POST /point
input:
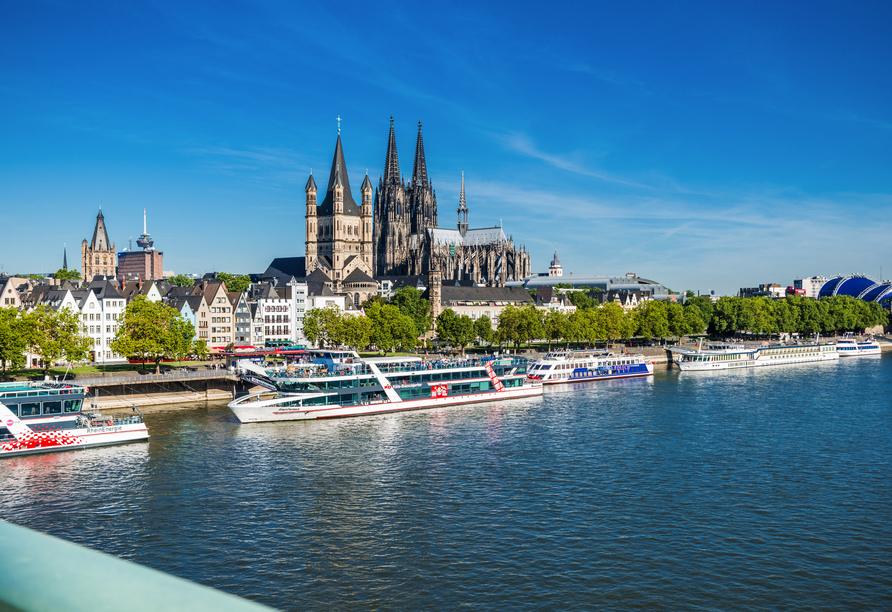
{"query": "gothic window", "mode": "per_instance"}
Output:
(356, 300)
(97, 260)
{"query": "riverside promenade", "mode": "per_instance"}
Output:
(172, 387)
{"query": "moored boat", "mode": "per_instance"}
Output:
(580, 366)
(849, 346)
(89, 430)
(340, 383)
(731, 356)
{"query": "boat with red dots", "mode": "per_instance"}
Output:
(45, 417)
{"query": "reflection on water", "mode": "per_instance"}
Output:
(745, 489)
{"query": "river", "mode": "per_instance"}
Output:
(762, 489)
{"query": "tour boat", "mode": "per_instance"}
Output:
(87, 430)
(849, 346)
(340, 384)
(729, 356)
(580, 366)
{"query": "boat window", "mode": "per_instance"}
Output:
(72, 405)
(13, 408)
(30, 409)
(52, 407)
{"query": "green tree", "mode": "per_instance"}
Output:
(724, 319)
(391, 329)
(652, 319)
(509, 322)
(53, 334)
(12, 338)
(373, 299)
(614, 322)
(530, 324)
(705, 306)
(678, 324)
(483, 327)
(357, 331)
(235, 282)
(556, 325)
(581, 300)
(153, 331)
(459, 331)
(763, 315)
(322, 326)
(181, 280)
(410, 302)
(694, 320)
(63, 274)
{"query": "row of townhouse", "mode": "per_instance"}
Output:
(99, 306)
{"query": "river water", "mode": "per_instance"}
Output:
(759, 489)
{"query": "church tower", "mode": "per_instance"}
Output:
(337, 242)
(422, 199)
(392, 220)
(98, 256)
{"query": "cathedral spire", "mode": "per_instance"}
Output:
(419, 172)
(462, 208)
(339, 178)
(64, 257)
(392, 162)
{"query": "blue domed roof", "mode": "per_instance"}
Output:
(829, 287)
(853, 286)
(878, 292)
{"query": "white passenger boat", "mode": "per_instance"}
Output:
(730, 356)
(849, 346)
(87, 430)
(348, 385)
(580, 366)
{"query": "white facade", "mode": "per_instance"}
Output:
(812, 285)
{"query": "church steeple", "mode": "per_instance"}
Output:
(462, 208)
(419, 171)
(100, 236)
(64, 257)
(392, 162)
(339, 181)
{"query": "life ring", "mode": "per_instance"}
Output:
(110, 422)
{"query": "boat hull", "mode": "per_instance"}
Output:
(686, 366)
(266, 411)
(36, 443)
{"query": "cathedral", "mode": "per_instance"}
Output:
(408, 241)
(394, 232)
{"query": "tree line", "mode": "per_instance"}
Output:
(396, 324)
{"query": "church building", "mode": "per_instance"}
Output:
(98, 256)
(408, 240)
(339, 234)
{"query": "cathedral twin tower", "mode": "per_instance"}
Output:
(350, 244)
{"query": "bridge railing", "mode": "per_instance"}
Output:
(31, 560)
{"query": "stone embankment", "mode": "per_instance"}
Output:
(174, 387)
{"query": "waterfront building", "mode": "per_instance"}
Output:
(472, 301)
(241, 317)
(628, 282)
(220, 312)
(771, 290)
(98, 256)
(811, 285)
(409, 241)
(11, 289)
(549, 298)
(861, 287)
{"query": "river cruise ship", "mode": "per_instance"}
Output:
(340, 384)
(580, 366)
(44, 417)
(729, 356)
(849, 346)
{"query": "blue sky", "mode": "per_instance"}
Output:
(701, 145)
